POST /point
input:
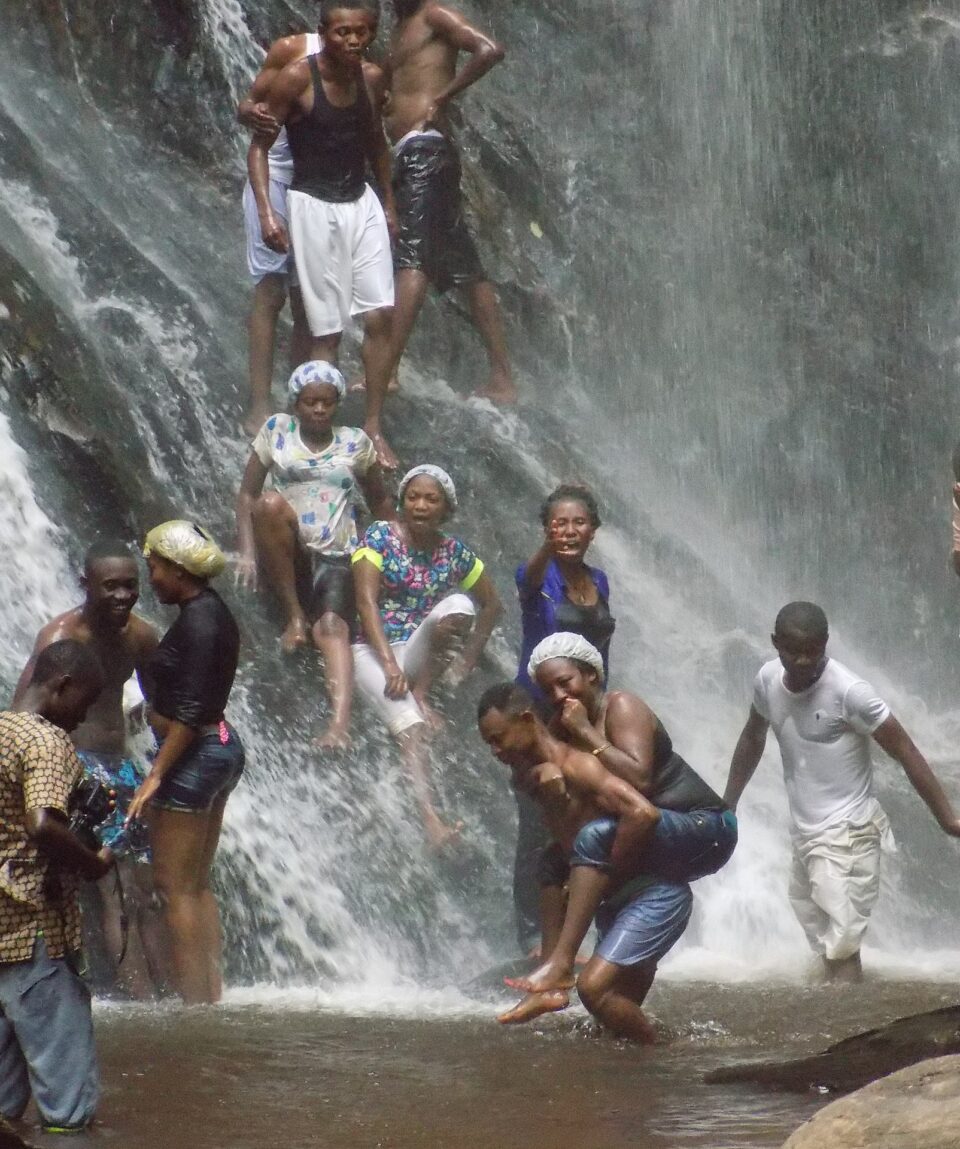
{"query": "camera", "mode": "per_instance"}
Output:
(91, 803)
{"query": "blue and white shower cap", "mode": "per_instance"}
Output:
(436, 473)
(316, 371)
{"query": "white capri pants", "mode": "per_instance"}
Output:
(834, 884)
(399, 714)
(342, 256)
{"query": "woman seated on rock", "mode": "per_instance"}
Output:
(303, 531)
(415, 585)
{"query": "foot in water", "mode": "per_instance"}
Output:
(549, 977)
(294, 636)
(534, 1005)
(499, 389)
(333, 738)
(440, 835)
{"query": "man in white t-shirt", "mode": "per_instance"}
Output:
(824, 716)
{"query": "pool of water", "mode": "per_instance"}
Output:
(302, 1070)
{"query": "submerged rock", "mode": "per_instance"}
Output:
(917, 1107)
(857, 1060)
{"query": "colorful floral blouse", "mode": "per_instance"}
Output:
(413, 582)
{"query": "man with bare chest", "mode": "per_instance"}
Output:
(123, 644)
(434, 244)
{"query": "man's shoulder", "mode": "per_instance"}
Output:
(71, 624)
(20, 729)
(286, 50)
(140, 634)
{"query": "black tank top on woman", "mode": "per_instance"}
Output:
(676, 785)
(329, 145)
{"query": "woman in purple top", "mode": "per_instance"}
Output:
(415, 587)
(558, 592)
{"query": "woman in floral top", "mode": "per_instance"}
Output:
(304, 530)
(410, 577)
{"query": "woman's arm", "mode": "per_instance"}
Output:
(177, 739)
(366, 585)
(627, 745)
(536, 569)
(251, 487)
(376, 494)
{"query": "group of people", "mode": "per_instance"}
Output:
(613, 824)
(321, 115)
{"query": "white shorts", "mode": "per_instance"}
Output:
(262, 260)
(834, 884)
(342, 253)
(399, 714)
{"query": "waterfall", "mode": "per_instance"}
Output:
(725, 240)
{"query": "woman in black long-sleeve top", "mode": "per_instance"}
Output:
(200, 757)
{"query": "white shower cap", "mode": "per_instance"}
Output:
(436, 473)
(565, 644)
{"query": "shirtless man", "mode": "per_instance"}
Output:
(640, 918)
(123, 644)
(270, 269)
(330, 105)
(434, 244)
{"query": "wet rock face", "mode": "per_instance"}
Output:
(857, 1060)
(916, 1108)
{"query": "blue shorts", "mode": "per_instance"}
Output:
(123, 776)
(683, 847)
(210, 769)
(647, 927)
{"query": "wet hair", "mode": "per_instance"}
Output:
(106, 549)
(574, 493)
(68, 658)
(329, 6)
(802, 618)
(507, 697)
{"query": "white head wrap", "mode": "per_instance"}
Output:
(437, 473)
(189, 546)
(316, 371)
(564, 644)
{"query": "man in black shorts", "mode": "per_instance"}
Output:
(434, 244)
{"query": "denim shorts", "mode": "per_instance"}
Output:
(210, 769)
(683, 847)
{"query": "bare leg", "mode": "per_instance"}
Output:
(846, 969)
(179, 842)
(553, 904)
(485, 312)
(326, 347)
(445, 637)
(269, 296)
(300, 337)
(147, 914)
(614, 995)
(332, 638)
(275, 532)
(211, 934)
(410, 286)
(414, 752)
(588, 885)
(132, 974)
(377, 354)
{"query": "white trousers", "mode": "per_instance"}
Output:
(399, 714)
(834, 884)
(342, 256)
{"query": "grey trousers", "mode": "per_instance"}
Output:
(46, 1041)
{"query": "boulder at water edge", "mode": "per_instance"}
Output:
(914, 1108)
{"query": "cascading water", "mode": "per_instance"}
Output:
(731, 300)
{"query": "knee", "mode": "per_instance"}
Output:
(377, 323)
(592, 991)
(271, 506)
(271, 293)
(332, 626)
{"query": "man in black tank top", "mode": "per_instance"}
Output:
(340, 234)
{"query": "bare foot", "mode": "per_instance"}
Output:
(254, 421)
(533, 1005)
(385, 456)
(499, 389)
(433, 718)
(359, 385)
(550, 976)
(294, 636)
(333, 738)
(440, 835)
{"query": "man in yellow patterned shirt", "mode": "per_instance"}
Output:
(46, 1029)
